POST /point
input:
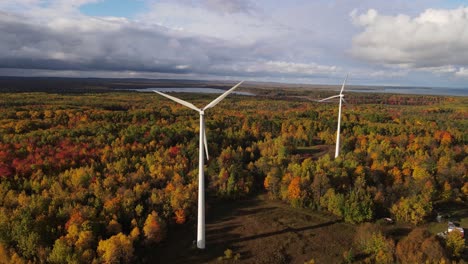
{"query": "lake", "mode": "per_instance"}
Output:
(387, 89)
(415, 90)
(191, 90)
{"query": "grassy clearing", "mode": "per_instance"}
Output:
(260, 230)
(456, 212)
(315, 151)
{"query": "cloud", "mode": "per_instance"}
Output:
(435, 39)
(296, 69)
(264, 40)
(364, 19)
(82, 43)
(231, 6)
(107, 44)
(52, 8)
(225, 7)
(235, 21)
(462, 72)
(387, 74)
(439, 70)
(265, 34)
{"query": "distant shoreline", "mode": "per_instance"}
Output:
(415, 91)
(100, 85)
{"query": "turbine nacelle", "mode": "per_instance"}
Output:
(208, 106)
(341, 95)
(201, 111)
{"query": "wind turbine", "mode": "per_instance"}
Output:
(201, 159)
(341, 96)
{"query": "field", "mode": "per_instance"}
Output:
(264, 231)
(112, 177)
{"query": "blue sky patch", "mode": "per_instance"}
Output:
(117, 8)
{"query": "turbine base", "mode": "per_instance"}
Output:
(201, 244)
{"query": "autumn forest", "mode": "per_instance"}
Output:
(102, 177)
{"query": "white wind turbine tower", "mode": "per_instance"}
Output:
(201, 159)
(341, 96)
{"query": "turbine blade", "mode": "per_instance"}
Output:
(342, 87)
(344, 101)
(221, 97)
(180, 101)
(328, 98)
(205, 142)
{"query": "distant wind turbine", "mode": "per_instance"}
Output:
(341, 96)
(201, 159)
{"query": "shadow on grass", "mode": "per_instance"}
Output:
(254, 211)
(224, 231)
(398, 232)
(180, 245)
(280, 232)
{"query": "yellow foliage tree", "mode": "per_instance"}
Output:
(465, 189)
(116, 249)
(154, 228)
(420, 173)
(294, 188)
(180, 217)
(455, 243)
(412, 209)
(135, 233)
(85, 240)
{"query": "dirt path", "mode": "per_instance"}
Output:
(261, 231)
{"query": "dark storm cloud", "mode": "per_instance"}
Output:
(110, 44)
(107, 45)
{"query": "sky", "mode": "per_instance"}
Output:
(376, 42)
